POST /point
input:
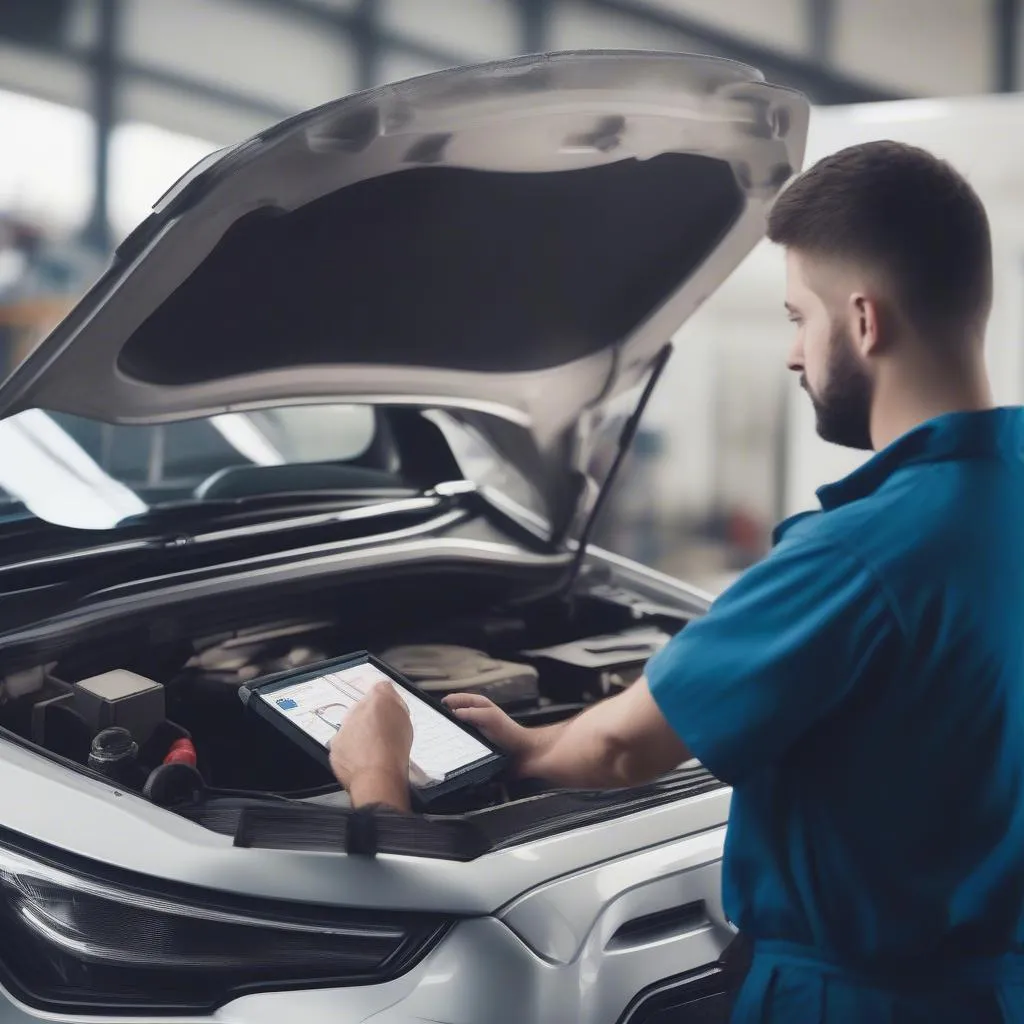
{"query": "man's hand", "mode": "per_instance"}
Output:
(620, 741)
(370, 752)
(520, 743)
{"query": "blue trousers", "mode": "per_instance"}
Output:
(790, 984)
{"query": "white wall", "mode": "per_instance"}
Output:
(979, 137)
(681, 408)
(44, 173)
(925, 47)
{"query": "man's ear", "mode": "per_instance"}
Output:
(865, 324)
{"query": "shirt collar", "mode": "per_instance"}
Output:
(993, 433)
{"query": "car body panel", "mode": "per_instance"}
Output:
(559, 918)
(482, 971)
(107, 825)
(135, 351)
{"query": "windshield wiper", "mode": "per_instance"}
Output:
(377, 510)
(292, 502)
(189, 514)
(176, 527)
(260, 505)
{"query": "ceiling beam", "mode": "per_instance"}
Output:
(365, 32)
(224, 96)
(104, 71)
(1006, 29)
(173, 81)
(821, 83)
(195, 88)
(534, 21)
(821, 16)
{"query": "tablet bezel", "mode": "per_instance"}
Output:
(481, 771)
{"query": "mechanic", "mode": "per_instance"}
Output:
(862, 688)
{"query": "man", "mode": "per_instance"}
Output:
(862, 689)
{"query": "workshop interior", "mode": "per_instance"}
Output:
(116, 115)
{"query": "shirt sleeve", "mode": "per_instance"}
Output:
(776, 653)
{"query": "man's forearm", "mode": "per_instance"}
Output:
(621, 741)
(578, 753)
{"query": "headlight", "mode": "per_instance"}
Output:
(71, 940)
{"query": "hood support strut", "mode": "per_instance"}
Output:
(623, 445)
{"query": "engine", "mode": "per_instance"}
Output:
(167, 721)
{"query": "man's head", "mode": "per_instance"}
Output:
(889, 263)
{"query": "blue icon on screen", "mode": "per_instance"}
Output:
(286, 704)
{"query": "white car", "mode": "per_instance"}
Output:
(362, 382)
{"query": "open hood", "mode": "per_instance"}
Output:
(512, 243)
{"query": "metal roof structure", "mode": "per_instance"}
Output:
(223, 69)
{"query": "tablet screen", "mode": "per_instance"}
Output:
(318, 707)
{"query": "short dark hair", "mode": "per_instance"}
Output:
(901, 209)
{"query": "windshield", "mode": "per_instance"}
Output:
(90, 475)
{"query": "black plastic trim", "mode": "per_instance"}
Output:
(281, 825)
(651, 927)
(681, 995)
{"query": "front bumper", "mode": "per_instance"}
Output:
(582, 948)
(481, 974)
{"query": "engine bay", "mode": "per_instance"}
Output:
(160, 715)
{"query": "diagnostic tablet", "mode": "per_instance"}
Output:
(309, 706)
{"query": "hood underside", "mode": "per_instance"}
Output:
(515, 242)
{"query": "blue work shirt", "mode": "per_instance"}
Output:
(862, 689)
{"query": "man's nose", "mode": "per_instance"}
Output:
(795, 358)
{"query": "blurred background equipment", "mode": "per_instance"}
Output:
(104, 104)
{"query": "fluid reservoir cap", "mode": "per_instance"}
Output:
(181, 752)
(112, 745)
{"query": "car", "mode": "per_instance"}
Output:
(364, 382)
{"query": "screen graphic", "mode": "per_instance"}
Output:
(319, 706)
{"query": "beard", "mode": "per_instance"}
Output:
(843, 406)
